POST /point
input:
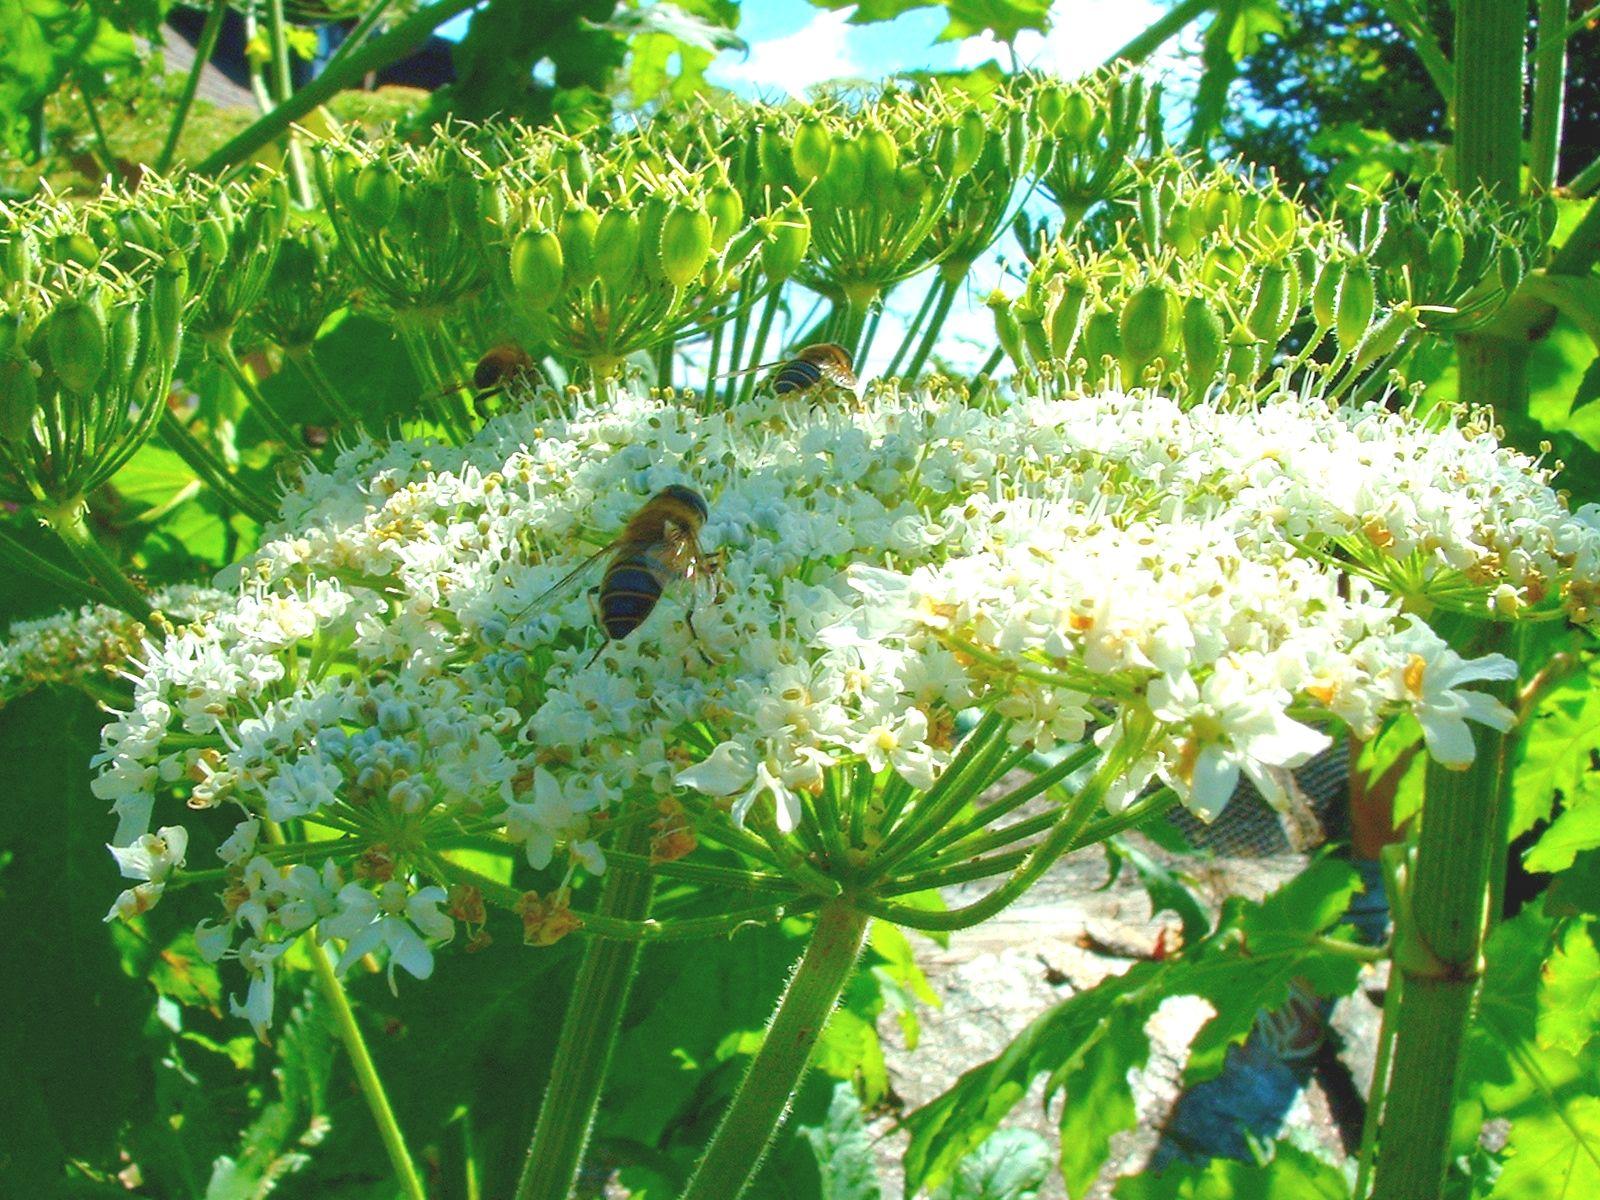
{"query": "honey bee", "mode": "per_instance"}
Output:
(659, 545)
(810, 366)
(504, 367)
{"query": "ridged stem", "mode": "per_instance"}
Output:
(213, 473)
(1549, 93)
(355, 1045)
(947, 297)
(774, 1075)
(203, 49)
(588, 1035)
(103, 570)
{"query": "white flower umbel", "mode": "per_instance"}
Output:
(391, 678)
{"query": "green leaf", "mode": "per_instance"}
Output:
(42, 42)
(685, 28)
(1577, 829)
(1292, 1173)
(1553, 1155)
(1569, 1003)
(1577, 297)
(1552, 755)
(1099, 1100)
(1260, 949)
(1081, 1043)
(1013, 1164)
(71, 1044)
(1005, 19)
(1166, 889)
(843, 1150)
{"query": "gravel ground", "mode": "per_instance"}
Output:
(1068, 935)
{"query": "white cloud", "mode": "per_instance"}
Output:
(818, 51)
(1083, 34)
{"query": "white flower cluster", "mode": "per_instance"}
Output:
(391, 673)
(91, 645)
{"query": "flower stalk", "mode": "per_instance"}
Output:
(760, 1104)
(588, 1035)
(103, 572)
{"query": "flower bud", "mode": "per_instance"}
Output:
(537, 268)
(75, 338)
(685, 244)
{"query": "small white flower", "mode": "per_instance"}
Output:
(151, 858)
(390, 919)
(1428, 678)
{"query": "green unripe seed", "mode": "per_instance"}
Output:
(1356, 302)
(1276, 219)
(1270, 312)
(1101, 336)
(579, 225)
(1077, 118)
(811, 150)
(879, 159)
(685, 244)
(123, 341)
(19, 399)
(846, 176)
(616, 248)
(972, 135)
(537, 268)
(168, 290)
(1203, 341)
(1244, 355)
(726, 210)
(1385, 337)
(1005, 327)
(1445, 252)
(1050, 105)
(376, 195)
(75, 339)
(787, 244)
(1145, 325)
(1325, 292)
(1064, 315)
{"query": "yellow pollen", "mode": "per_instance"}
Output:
(1412, 677)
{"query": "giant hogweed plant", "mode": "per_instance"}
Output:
(949, 632)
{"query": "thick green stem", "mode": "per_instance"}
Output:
(1437, 953)
(588, 1036)
(392, 46)
(355, 1045)
(1488, 79)
(202, 55)
(1549, 92)
(69, 525)
(770, 1082)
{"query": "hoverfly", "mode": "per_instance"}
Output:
(659, 544)
(810, 366)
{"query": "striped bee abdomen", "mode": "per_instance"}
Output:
(628, 594)
(796, 376)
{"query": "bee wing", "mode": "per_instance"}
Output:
(565, 582)
(751, 370)
(840, 376)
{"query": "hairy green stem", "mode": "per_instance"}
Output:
(774, 1075)
(213, 473)
(769, 313)
(17, 557)
(222, 349)
(68, 524)
(358, 34)
(355, 1045)
(1549, 93)
(947, 298)
(392, 46)
(203, 49)
(283, 88)
(929, 298)
(1162, 31)
(1439, 930)
(588, 1036)
(1410, 21)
